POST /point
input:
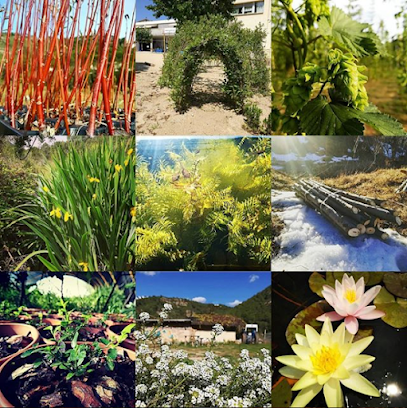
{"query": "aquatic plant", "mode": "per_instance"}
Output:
(81, 216)
(351, 302)
(199, 201)
(325, 362)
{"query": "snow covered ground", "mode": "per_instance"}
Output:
(310, 243)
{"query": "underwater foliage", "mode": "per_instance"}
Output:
(206, 207)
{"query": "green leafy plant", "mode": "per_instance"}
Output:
(198, 202)
(326, 98)
(82, 216)
(214, 38)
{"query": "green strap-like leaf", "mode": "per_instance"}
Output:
(319, 117)
(349, 34)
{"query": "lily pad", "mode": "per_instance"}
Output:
(317, 281)
(282, 394)
(395, 309)
(396, 283)
(375, 278)
(306, 316)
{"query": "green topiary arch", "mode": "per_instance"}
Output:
(214, 38)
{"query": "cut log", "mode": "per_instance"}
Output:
(342, 206)
(356, 197)
(370, 230)
(381, 235)
(342, 222)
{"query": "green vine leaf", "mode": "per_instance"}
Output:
(319, 117)
(349, 34)
(381, 122)
(395, 309)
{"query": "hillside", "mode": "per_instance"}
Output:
(257, 309)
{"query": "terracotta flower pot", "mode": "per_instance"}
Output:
(114, 331)
(11, 329)
(48, 322)
(16, 361)
(54, 316)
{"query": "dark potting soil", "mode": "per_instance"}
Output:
(11, 344)
(44, 387)
(85, 335)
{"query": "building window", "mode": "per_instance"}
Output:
(249, 8)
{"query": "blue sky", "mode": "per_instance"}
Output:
(228, 288)
(143, 13)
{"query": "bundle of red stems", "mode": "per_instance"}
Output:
(61, 57)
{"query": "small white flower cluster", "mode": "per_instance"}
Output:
(164, 378)
(218, 329)
(144, 316)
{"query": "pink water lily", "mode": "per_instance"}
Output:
(350, 302)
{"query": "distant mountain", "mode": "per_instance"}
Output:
(257, 309)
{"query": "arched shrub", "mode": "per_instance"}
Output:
(214, 38)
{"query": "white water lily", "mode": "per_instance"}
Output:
(325, 362)
(350, 302)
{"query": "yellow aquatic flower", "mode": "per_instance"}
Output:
(56, 212)
(129, 152)
(126, 162)
(46, 189)
(94, 196)
(85, 266)
(133, 211)
(118, 167)
(94, 180)
(325, 362)
(68, 216)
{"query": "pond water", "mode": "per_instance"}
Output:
(291, 294)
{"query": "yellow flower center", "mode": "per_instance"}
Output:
(350, 295)
(326, 360)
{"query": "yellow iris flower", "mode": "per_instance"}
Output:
(85, 266)
(56, 212)
(129, 152)
(118, 167)
(93, 180)
(46, 189)
(68, 216)
(133, 211)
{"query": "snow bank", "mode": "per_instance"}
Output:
(310, 243)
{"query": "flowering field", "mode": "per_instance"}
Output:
(168, 378)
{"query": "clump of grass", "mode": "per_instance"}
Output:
(82, 216)
(280, 181)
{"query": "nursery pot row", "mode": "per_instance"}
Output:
(16, 361)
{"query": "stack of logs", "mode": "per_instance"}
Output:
(352, 214)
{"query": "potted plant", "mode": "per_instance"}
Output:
(16, 338)
(114, 331)
(70, 374)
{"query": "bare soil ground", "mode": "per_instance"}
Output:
(208, 114)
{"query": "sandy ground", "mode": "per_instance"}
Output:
(207, 116)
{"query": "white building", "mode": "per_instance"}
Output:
(250, 13)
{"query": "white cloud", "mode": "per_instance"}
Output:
(149, 273)
(234, 303)
(253, 278)
(199, 299)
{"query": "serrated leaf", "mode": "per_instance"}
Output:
(321, 118)
(350, 34)
(384, 124)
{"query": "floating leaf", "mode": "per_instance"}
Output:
(317, 281)
(306, 316)
(375, 278)
(396, 283)
(282, 394)
(395, 309)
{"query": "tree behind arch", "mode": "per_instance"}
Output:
(214, 38)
